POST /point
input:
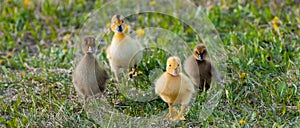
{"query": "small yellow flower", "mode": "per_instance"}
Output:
(107, 25)
(53, 85)
(65, 51)
(140, 72)
(140, 32)
(67, 37)
(152, 3)
(258, 3)
(1, 62)
(275, 19)
(127, 28)
(298, 20)
(27, 2)
(274, 23)
(242, 75)
(242, 122)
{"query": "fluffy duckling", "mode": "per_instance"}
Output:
(199, 68)
(124, 52)
(174, 87)
(88, 78)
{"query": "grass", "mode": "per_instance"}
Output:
(38, 49)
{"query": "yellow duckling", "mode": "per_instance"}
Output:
(88, 78)
(174, 87)
(124, 52)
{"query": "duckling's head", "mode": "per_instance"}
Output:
(117, 24)
(173, 66)
(89, 45)
(200, 52)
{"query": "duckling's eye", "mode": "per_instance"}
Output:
(178, 65)
(122, 21)
(169, 65)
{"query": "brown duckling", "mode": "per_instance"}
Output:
(89, 78)
(199, 68)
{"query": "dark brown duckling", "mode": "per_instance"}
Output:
(199, 68)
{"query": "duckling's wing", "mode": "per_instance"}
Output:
(192, 70)
(101, 76)
(160, 84)
(108, 55)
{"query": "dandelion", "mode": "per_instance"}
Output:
(140, 32)
(152, 3)
(242, 122)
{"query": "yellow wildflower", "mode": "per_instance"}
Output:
(298, 20)
(127, 27)
(27, 2)
(152, 3)
(140, 72)
(274, 22)
(242, 122)
(140, 32)
(53, 85)
(1, 62)
(67, 37)
(275, 19)
(65, 51)
(242, 75)
(107, 25)
(258, 3)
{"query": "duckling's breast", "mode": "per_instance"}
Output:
(125, 51)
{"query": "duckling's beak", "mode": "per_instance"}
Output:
(200, 57)
(175, 72)
(119, 28)
(91, 50)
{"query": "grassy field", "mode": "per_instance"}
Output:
(38, 52)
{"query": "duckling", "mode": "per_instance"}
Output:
(199, 68)
(124, 52)
(88, 78)
(174, 87)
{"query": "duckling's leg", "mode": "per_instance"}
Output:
(180, 114)
(133, 71)
(117, 75)
(169, 115)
